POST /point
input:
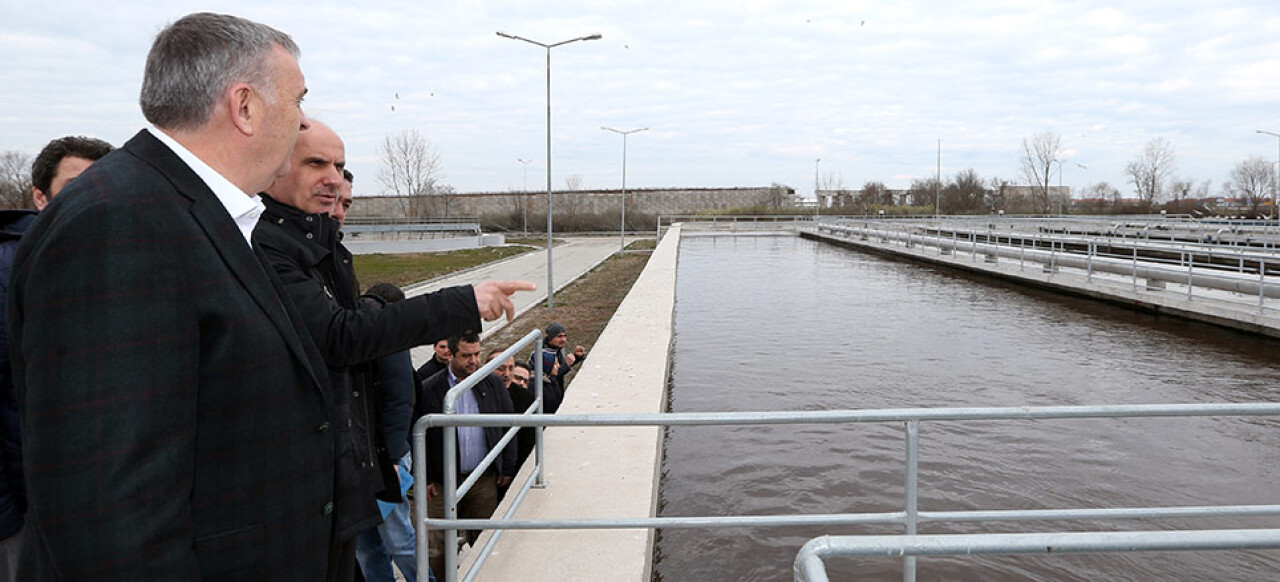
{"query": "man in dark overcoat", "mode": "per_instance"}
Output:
(175, 416)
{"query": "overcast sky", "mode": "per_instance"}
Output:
(734, 92)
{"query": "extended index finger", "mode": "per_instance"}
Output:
(509, 287)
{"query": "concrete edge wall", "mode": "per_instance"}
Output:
(605, 472)
(1154, 301)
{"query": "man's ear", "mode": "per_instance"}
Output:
(244, 107)
(39, 198)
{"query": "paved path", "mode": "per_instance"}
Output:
(572, 259)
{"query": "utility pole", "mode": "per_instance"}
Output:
(937, 185)
(817, 202)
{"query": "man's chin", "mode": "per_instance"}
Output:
(323, 205)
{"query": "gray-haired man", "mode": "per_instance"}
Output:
(175, 417)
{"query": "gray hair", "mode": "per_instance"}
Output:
(195, 59)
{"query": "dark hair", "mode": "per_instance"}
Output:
(46, 163)
(195, 59)
(387, 292)
(468, 336)
(348, 176)
(525, 366)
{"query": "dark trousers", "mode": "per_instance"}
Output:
(478, 503)
(342, 561)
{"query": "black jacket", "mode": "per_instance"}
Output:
(175, 415)
(13, 490)
(491, 398)
(305, 251)
(521, 400)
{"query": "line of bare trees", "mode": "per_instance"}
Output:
(1155, 186)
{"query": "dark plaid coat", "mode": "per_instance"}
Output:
(174, 412)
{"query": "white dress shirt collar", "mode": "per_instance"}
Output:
(244, 207)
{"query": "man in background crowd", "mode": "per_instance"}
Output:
(439, 360)
(488, 396)
(61, 160)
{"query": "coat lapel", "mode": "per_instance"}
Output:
(226, 238)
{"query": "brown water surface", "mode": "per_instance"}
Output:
(782, 323)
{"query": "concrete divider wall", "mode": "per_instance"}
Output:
(605, 472)
(1234, 316)
(642, 200)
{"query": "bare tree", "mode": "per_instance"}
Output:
(965, 194)
(1039, 154)
(1180, 189)
(832, 186)
(873, 194)
(923, 192)
(778, 196)
(1102, 191)
(573, 182)
(569, 202)
(1151, 170)
(995, 199)
(411, 170)
(1251, 179)
(15, 179)
(1098, 198)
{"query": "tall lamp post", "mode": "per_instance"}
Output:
(551, 288)
(817, 200)
(524, 195)
(1061, 164)
(622, 231)
(1275, 192)
(937, 184)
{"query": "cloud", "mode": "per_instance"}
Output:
(735, 93)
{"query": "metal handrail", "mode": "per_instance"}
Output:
(809, 565)
(452, 491)
(909, 517)
(1185, 271)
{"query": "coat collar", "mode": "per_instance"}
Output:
(318, 229)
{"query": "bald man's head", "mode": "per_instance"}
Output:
(315, 171)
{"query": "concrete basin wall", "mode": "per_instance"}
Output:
(604, 472)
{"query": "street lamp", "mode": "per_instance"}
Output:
(551, 288)
(817, 201)
(524, 195)
(622, 231)
(1061, 164)
(1275, 192)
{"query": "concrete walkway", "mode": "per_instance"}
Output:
(601, 472)
(572, 259)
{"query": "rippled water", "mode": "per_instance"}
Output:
(781, 323)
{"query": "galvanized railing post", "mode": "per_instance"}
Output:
(540, 480)
(450, 493)
(912, 487)
(1191, 273)
(1262, 295)
(1093, 248)
(422, 546)
(1135, 266)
